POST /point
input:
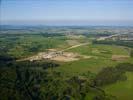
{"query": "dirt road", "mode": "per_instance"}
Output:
(75, 46)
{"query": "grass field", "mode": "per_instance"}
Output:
(101, 57)
(123, 90)
(100, 50)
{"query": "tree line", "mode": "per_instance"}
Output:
(110, 75)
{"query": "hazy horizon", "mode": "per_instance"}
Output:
(67, 12)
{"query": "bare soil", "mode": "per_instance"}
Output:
(119, 57)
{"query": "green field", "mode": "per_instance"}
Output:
(101, 57)
(123, 90)
(100, 50)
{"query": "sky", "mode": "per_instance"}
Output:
(67, 12)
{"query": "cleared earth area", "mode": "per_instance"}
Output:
(53, 54)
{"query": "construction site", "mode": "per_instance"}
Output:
(58, 55)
